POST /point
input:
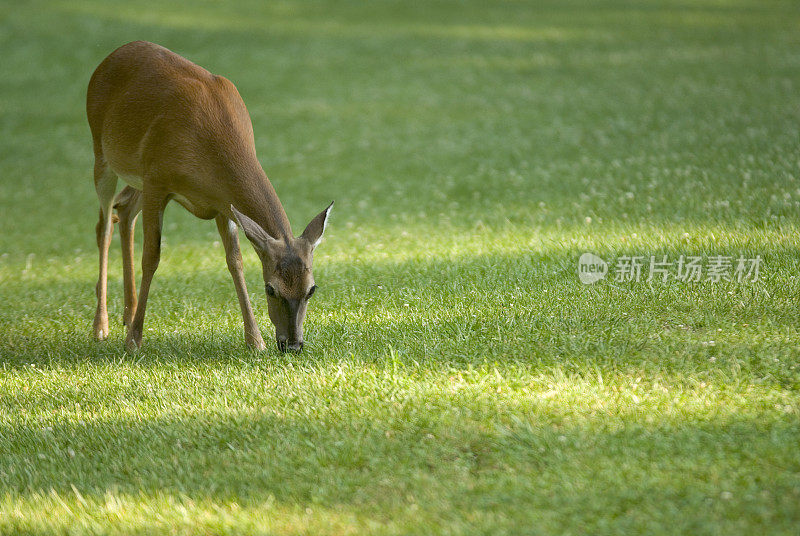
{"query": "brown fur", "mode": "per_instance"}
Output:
(185, 133)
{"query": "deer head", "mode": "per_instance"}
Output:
(288, 280)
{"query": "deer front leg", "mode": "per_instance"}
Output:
(153, 204)
(105, 182)
(233, 257)
(128, 205)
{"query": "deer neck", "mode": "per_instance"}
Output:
(258, 200)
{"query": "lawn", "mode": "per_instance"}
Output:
(458, 377)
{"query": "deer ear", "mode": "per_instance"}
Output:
(260, 239)
(314, 230)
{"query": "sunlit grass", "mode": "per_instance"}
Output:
(458, 378)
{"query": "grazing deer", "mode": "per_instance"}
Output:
(172, 130)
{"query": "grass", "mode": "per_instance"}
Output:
(457, 378)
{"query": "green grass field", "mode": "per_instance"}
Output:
(458, 378)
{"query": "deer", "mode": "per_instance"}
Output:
(171, 130)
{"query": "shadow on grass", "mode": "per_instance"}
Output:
(380, 464)
(512, 21)
(430, 142)
(451, 312)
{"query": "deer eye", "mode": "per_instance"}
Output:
(311, 291)
(271, 291)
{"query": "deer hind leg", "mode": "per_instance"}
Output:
(105, 182)
(153, 203)
(233, 256)
(128, 205)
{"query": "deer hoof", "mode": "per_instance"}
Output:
(132, 342)
(100, 331)
(257, 344)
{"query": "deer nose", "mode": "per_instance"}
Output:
(295, 346)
